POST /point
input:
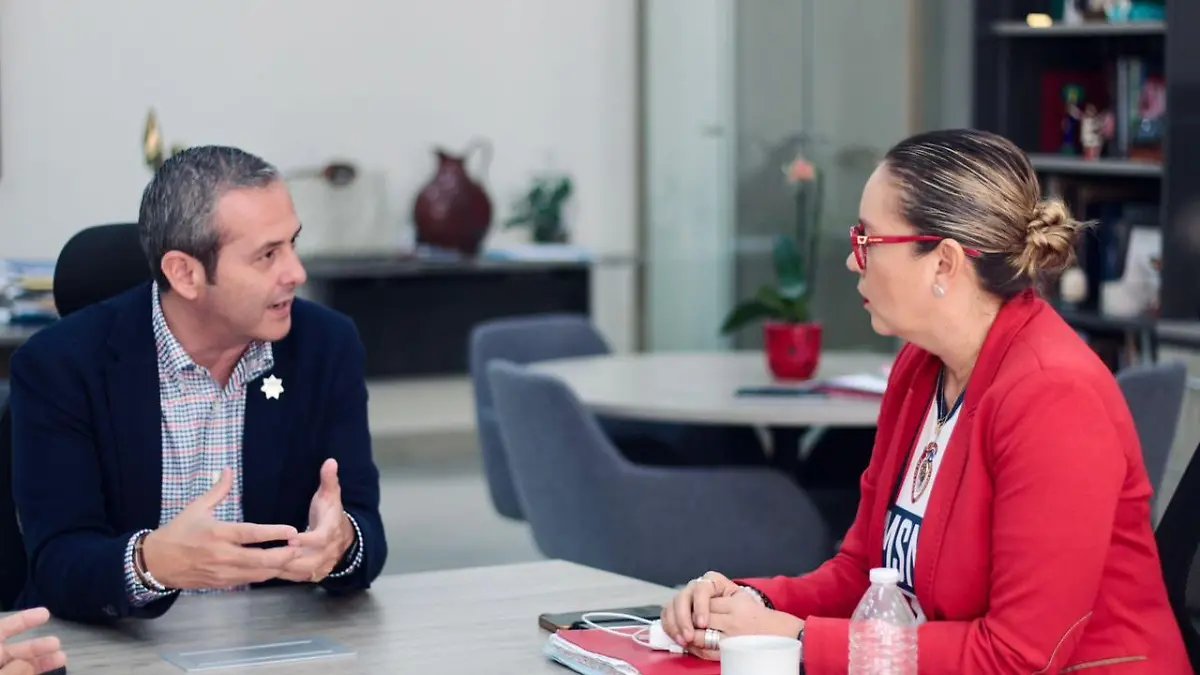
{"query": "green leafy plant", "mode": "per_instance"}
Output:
(541, 210)
(786, 301)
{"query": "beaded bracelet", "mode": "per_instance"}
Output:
(355, 554)
(758, 595)
(139, 565)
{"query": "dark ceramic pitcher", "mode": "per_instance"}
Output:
(453, 211)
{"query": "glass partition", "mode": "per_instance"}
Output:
(733, 92)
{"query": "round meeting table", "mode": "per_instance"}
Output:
(708, 388)
(703, 388)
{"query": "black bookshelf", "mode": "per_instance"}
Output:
(1181, 168)
(1016, 62)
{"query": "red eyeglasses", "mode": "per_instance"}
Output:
(859, 241)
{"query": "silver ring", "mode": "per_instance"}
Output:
(712, 638)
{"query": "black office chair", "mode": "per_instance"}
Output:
(14, 569)
(94, 265)
(1178, 536)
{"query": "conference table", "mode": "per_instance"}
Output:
(702, 388)
(477, 620)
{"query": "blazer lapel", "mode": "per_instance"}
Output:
(266, 437)
(1008, 323)
(131, 383)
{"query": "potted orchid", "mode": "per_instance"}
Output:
(791, 337)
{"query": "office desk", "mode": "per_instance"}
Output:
(415, 316)
(481, 620)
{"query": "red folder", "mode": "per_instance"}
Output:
(583, 645)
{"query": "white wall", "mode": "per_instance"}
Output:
(380, 82)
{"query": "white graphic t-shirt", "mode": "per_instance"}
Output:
(907, 512)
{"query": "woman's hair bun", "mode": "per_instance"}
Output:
(1050, 238)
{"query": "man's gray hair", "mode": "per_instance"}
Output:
(178, 206)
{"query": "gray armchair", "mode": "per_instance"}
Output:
(1155, 397)
(529, 339)
(588, 504)
(522, 340)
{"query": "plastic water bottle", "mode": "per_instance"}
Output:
(883, 630)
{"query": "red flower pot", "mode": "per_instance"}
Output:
(793, 350)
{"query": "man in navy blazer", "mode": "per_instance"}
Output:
(206, 432)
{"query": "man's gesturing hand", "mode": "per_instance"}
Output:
(329, 533)
(197, 551)
(39, 655)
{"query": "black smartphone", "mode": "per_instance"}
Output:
(572, 620)
(809, 390)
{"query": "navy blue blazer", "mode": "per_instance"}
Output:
(87, 448)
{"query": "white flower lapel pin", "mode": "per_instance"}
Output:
(272, 386)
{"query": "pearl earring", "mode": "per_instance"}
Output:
(938, 291)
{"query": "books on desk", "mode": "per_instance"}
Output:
(596, 652)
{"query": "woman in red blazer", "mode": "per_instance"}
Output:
(1007, 482)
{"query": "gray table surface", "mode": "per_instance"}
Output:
(479, 620)
(701, 388)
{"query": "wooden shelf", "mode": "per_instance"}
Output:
(1078, 166)
(1094, 29)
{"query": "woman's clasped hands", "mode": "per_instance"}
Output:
(714, 602)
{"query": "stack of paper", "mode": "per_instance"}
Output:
(861, 383)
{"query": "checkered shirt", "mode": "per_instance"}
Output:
(202, 427)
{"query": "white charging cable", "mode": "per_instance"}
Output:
(655, 639)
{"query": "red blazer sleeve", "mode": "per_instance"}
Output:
(835, 588)
(1058, 466)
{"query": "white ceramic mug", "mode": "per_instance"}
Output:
(760, 655)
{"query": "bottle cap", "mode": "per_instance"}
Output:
(885, 575)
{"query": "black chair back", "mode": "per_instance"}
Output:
(13, 571)
(96, 264)
(1178, 536)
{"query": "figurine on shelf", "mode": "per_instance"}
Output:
(154, 151)
(1092, 10)
(1072, 286)
(1136, 10)
(1072, 117)
(1095, 129)
(1118, 10)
